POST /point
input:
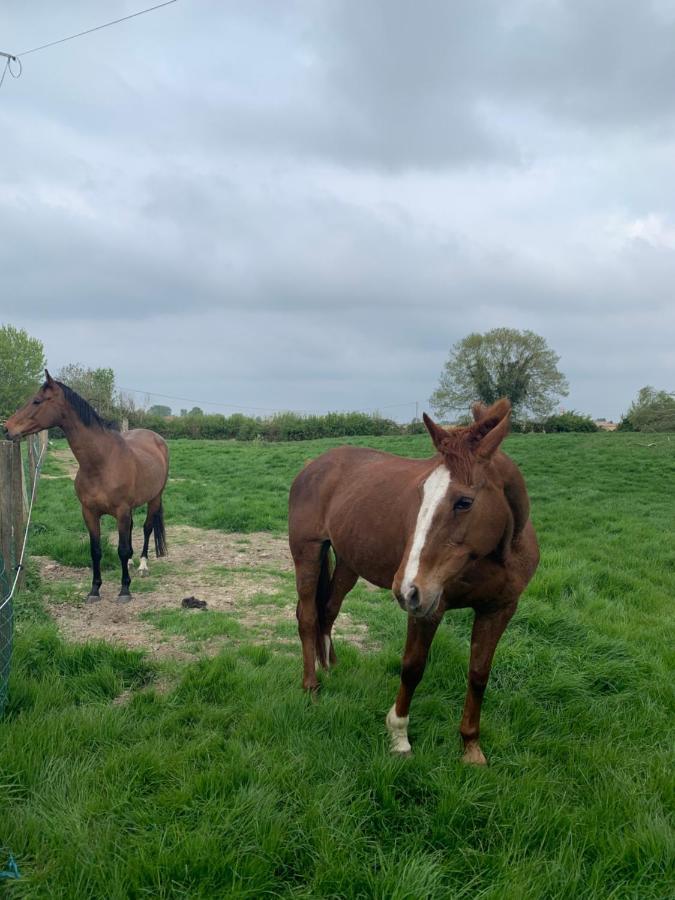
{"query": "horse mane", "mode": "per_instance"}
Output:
(458, 453)
(85, 411)
(460, 444)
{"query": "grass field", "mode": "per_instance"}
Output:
(125, 775)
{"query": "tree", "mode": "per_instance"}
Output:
(651, 410)
(159, 410)
(503, 362)
(22, 361)
(196, 411)
(97, 386)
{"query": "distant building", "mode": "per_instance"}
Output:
(606, 425)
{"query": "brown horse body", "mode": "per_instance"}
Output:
(444, 533)
(118, 472)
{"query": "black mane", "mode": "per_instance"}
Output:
(85, 412)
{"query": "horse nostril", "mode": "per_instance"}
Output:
(413, 597)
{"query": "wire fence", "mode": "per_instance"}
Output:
(19, 475)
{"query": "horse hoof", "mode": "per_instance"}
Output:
(312, 691)
(474, 756)
(402, 754)
(93, 598)
(123, 598)
(143, 569)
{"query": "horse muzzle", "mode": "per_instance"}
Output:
(421, 604)
(11, 434)
(15, 432)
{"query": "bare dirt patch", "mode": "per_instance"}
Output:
(234, 573)
(67, 462)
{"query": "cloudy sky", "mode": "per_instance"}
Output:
(303, 205)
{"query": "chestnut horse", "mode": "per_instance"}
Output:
(117, 473)
(443, 533)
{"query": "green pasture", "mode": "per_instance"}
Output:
(122, 777)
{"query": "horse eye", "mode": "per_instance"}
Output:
(463, 503)
(37, 402)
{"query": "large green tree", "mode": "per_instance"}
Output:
(652, 410)
(503, 362)
(22, 361)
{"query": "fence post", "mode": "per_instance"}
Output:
(32, 459)
(19, 511)
(6, 507)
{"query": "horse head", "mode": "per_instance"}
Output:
(464, 515)
(43, 410)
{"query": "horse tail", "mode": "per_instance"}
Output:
(159, 532)
(322, 597)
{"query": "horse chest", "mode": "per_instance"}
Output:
(95, 495)
(484, 586)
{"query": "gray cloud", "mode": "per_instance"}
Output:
(304, 205)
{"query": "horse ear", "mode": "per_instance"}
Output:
(490, 429)
(48, 378)
(478, 411)
(439, 435)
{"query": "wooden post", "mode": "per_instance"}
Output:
(24, 484)
(17, 503)
(33, 452)
(6, 508)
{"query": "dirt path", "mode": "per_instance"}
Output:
(67, 463)
(246, 580)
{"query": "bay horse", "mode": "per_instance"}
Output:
(117, 473)
(449, 532)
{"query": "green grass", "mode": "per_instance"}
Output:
(196, 625)
(233, 784)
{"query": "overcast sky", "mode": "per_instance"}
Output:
(303, 205)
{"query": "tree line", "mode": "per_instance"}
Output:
(481, 367)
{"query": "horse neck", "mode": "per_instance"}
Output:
(91, 444)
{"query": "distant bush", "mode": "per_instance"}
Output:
(287, 426)
(290, 426)
(569, 421)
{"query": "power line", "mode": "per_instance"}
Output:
(245, 407)
(71, 37)
(9, 59)
(210, 402)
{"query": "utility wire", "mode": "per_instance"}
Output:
(209, 402)
(96, 28)
(8, 67)
(242, 406)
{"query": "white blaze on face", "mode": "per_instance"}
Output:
(398, 731)
(435, 489)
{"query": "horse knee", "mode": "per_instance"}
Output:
(412, 671)
(478, 680)
(306, 622)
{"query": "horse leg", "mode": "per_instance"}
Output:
(342, 581)
(153, 507)
(308, 562)
(93, 522)
(485, 635)
(420, 635)
(124, 551)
